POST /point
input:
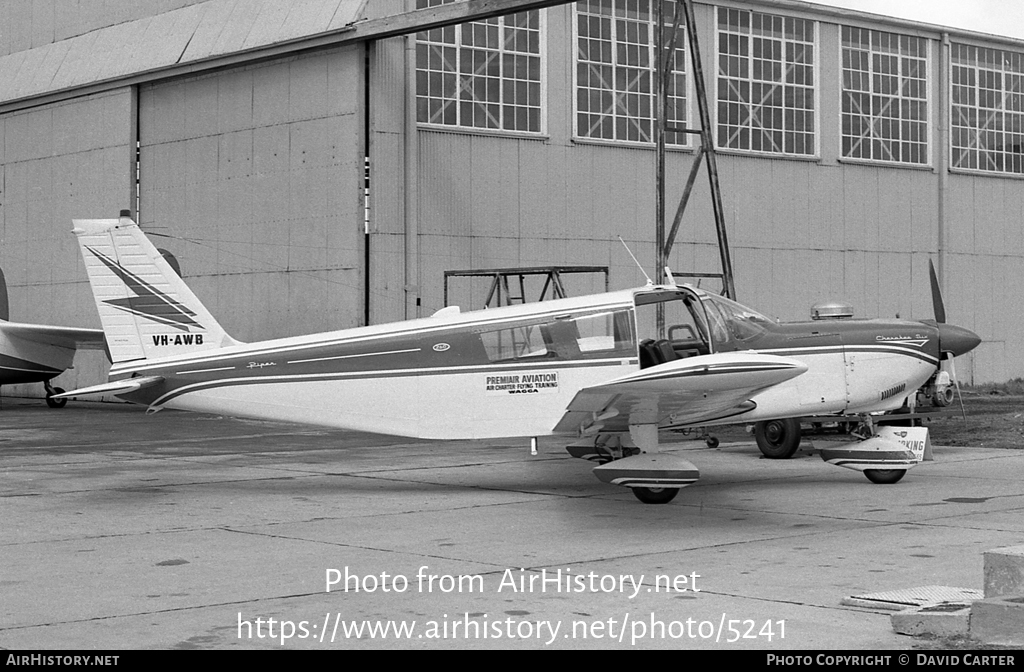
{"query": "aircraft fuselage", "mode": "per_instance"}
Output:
(513, 371)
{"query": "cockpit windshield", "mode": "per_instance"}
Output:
(732, 321)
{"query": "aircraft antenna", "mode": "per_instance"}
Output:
(649, 281)
(670, 277)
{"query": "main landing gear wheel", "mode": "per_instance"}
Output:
(884, 476)
(778, 439)
(655, 495)
(55, 403)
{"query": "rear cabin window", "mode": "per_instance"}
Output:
(514, 343)
(563, 338)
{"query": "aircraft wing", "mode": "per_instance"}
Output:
(63, 337)
(681, 392)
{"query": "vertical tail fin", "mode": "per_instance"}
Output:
(147, 311)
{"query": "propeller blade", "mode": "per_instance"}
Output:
(5, 313)
(937, 307)
(956, 381)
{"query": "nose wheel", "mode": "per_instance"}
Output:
(655, 495)
(885, 476)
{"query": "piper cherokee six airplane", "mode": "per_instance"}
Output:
(36, 353)
(578, 367)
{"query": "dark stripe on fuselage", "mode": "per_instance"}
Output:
(185, 387)
(797, 353)
(336, 344)
(487, 345)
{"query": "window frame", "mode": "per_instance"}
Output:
(1003, 111)
(930, 106)
(459, 45)
(815, 89)
(577, 137)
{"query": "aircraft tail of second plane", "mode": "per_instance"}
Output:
(146, 309)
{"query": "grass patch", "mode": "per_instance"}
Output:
(1011, 388)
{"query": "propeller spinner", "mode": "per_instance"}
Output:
(952, 339)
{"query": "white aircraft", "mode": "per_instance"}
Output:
(591, 368)
(36, 353)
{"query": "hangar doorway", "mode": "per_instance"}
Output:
(58, 162)
(252, 178)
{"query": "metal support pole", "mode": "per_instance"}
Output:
(659, 147)
(687, 190)
(707, 143)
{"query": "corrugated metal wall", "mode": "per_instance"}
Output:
(256, 177)
(985, 270)
(261, 169)
(801, 231)
(387, 159)
(487, 201)
(57, 163)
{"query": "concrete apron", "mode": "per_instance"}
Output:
(121, 530)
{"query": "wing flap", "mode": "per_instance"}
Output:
(679, 392)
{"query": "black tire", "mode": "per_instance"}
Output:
(884, 476)
(655, 495)
(711, 441)
(778, 439)
(56, 403)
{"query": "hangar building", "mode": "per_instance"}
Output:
(309, 172)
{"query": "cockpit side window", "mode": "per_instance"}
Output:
(591, 335)
(685, 332)
(719, 330)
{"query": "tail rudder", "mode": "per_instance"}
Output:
(146, 309)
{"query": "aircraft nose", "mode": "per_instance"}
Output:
(956, 339)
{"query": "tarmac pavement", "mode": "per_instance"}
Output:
(121, 530)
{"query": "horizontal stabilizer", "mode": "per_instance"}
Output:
(61, 337)
(115, 387)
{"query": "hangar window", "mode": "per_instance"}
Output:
(766, 83)
(482, 74)
(987, 109)
(616, 47)
(885, 96)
